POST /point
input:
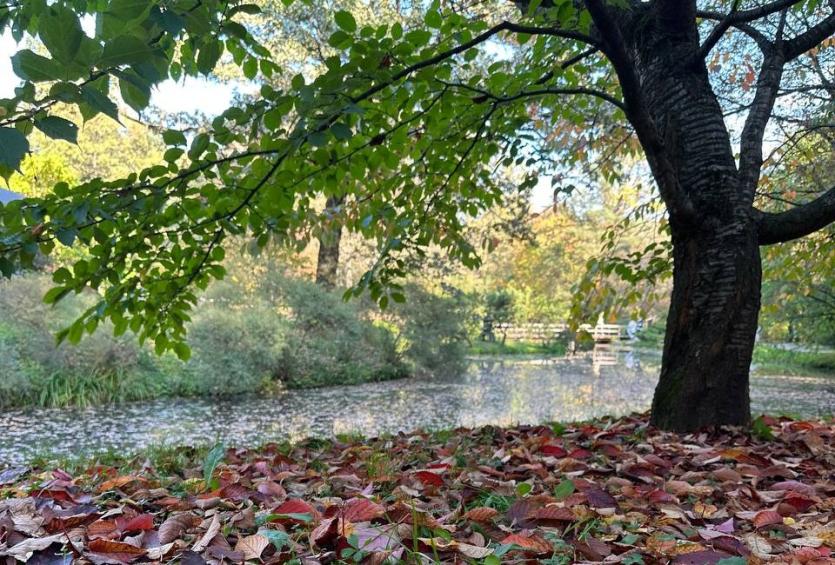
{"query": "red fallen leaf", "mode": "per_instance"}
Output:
(116, 550)
(796, 486)
(119, 482)
(533, 544)
(481, 514)
(610, 450)
(555, 513)
(553, 450)
(580, 453)
(326, 532)
(800, 503)
(362, 510)
(429, 478)
(139, 523)
(442, 466)
(801, 426)
(234, 492)
(176, 525)
(593, 549)
(766, 518)
(706, 557)
(659, 495)
(599, 498)
(295, 506)
(61, 475)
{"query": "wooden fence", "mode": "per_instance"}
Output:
(544, 333)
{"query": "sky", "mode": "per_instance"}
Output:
(191, 94)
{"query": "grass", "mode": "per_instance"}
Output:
(767, 358)
(517, 348)
(773, 359)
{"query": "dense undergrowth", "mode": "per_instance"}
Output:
(283, 333)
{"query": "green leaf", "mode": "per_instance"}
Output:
(58, 128)
(345, 20)
(433, 19)
(523, 488)
(134, 92)
(99, 102)
(732, 561)
(125, 50)
(31, 66)
(762, 430)
(198, 146)
(13, 147)
(182, 351)
(173, 137)
(55, 294)
(339, 39)
(564, 490)
(245, 9)
(208, 56)
(213, 459)
(278, 538)
(341, 131)
(66, 236)
(61, 33)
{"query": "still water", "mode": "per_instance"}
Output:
(500, 391)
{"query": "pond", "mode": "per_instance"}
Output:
(501, 391)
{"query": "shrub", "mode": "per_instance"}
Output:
(334, 342)
(235, 350)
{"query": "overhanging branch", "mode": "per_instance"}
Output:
(797, 222)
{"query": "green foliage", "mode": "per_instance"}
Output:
(794, 362)
(478, 347)
(243, 340)
(330, 342)
(433, 329)
(156, 238)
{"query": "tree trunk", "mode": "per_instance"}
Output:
(711, 329)
(327, 263)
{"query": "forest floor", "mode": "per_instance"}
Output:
(612, 490)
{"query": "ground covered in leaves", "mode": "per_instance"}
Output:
(612, 491)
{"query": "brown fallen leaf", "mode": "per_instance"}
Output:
(252, 546)
(211, 532)
(117, 551)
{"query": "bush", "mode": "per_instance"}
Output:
(334, 342)
(34, 370)
(245, 338)
(235, 348)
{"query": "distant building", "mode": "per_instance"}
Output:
(7, 196)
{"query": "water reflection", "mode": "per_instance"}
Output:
(492, 391)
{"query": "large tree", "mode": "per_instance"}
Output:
(406, 122)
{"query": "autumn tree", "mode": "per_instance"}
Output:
(406, 122)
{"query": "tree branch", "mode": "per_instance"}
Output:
(810, 38)
(797, 222)
(718, 31)
(768, 85)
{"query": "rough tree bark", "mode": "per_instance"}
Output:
(659, 58)
(327, 262)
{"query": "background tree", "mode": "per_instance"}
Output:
(405, 122)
